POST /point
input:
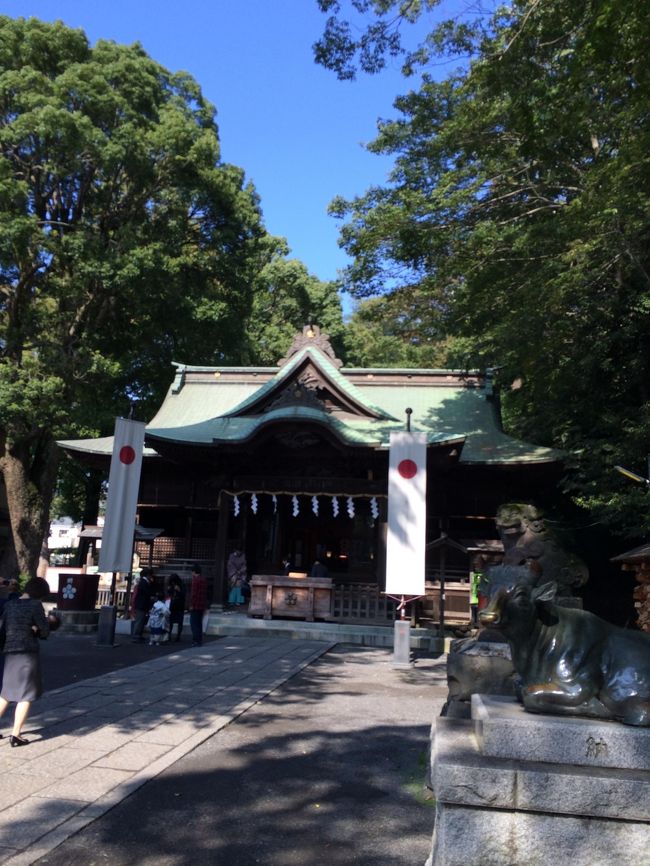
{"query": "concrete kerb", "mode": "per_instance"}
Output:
(85, 813)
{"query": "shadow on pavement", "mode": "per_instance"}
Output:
(71, 658)
(324, 771)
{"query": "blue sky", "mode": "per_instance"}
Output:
(295, 129)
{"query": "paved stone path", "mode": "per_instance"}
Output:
(95, 743)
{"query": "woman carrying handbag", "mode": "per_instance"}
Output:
(23, 623)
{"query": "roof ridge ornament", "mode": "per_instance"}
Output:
(312, 336)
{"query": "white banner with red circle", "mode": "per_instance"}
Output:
(116, 552)
(407, 514)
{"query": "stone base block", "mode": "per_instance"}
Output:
(476, 837)
(495, 808)
(504, 729)
(78, 621)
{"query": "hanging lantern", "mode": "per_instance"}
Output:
(335, 506)
(374, 508)
(295, 505)
(235, 505)
(314, 505)
(254, 503)
(350, 506)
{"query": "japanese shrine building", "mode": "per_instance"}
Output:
(292, 461)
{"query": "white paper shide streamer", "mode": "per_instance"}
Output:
(335, 506)
(235, 505)
(295, 505)
(314, 505)
(350, 506)
(254, 503)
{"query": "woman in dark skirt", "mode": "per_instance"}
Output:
(24, 623)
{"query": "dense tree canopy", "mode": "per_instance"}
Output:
(519, 212)
(286, 298)
(124, 242)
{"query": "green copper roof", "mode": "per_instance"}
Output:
(364, 431)
(465, 410)
(215, 405)
(101, 447)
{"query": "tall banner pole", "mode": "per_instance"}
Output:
(116, 552)
(406, 540)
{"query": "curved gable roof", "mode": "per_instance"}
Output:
(346, 391)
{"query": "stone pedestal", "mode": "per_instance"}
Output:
(78, 621)
(516, 788)
(477, 666)
(106, 625)
(402, 644)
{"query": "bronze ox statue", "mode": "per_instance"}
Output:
(570, 661)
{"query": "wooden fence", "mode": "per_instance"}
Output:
(104, 597)
(166, 547)
(363, 602)
(352, 602)
(457, 607)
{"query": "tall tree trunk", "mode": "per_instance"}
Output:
(29, 472)
(8, 562)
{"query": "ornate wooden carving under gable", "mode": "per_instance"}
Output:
(311, 336)
(298, 439)
(311, 378)
(297, 394)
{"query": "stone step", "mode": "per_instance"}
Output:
(239, 625)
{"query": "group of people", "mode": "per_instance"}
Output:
(164, 609)
(23, 622)
(318, 569)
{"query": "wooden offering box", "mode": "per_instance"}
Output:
(306, 598)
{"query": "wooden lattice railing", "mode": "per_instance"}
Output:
(167, 547)
(363, 602)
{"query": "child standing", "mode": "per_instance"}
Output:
(158, 621)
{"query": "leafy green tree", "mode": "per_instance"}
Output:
(370, 34)
(124, 241)
(286, 298)
(519, 205)
(402, 329)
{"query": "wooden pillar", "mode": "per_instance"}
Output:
(219, 589)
